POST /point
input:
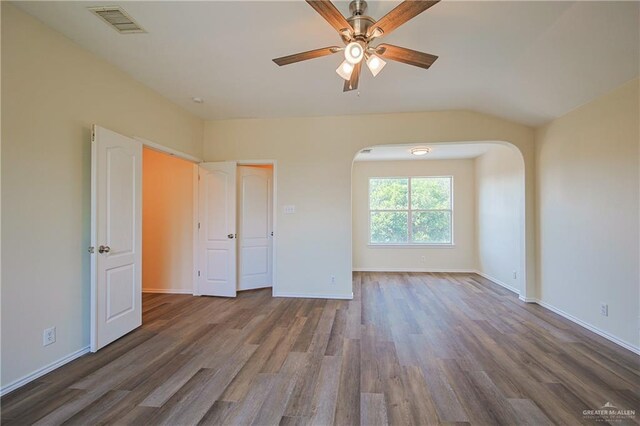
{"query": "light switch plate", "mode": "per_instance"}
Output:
(290, 209)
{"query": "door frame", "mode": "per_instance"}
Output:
(274, 164)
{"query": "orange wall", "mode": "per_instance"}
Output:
(167, 223)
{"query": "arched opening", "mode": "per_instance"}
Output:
(458, 208)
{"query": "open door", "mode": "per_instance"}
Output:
(116, 236)
(217, 235)
(255, 205)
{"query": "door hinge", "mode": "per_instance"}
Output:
(198, 273)
(198, 225)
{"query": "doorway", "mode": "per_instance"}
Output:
(236, 227)
(116, 248)
(255, 226)
(177, 203)
(403, 222)
(167, 223)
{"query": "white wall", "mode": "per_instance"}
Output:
(499, 215)
(588, 231)
(315, 157)
(52, 91)
(167, 223)
(460, 257)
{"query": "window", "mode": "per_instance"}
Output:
(410, 210)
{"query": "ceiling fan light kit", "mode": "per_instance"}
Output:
(345, 70)
(375, 64)
(358, 32)
(354, 52)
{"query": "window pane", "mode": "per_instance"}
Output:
(431, 193)
(389, 227)
(388, 194)
(431, 227)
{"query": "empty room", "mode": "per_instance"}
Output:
(320, 212)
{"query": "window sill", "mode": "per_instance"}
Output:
(427, 246)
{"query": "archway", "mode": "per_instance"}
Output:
(488, 235)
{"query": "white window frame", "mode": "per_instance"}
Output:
(409, 212)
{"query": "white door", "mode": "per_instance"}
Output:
(116, 236)
(255, 230)
(217, 235)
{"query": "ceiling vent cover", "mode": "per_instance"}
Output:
(118, 19)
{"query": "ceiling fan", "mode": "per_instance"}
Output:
(358, 33)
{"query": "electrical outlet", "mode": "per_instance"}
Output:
(48, 336)
(515, 275)
(604, 309)
(333, 279)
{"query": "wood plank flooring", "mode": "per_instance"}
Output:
(412, 348)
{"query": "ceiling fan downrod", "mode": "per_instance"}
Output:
(358, 20)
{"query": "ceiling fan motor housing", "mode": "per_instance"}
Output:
(360, 24)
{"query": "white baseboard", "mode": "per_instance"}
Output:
(500, 283)
(315, 296)
(528, 299)
(42, 371)
(453, 271)
(168, 290)
(590, 327)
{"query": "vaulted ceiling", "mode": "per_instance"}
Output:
(526, 61)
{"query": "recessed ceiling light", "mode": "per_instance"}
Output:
(420, 150)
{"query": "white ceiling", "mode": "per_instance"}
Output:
(450, 151)
(526, 61)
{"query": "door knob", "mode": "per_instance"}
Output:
(104, 249)
(230, 236)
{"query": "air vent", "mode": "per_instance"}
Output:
(118, 19)
(366, 151)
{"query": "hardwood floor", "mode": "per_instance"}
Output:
(409, 349)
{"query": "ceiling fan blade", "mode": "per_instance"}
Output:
(406, 56)
(405, 11)
(303, 56)
(352, 83)
(331, 14)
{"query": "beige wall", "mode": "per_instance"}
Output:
(52, 91)
(499, 215)
(314, 159)
(460, 257)
(588, 231)
(167, 223)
